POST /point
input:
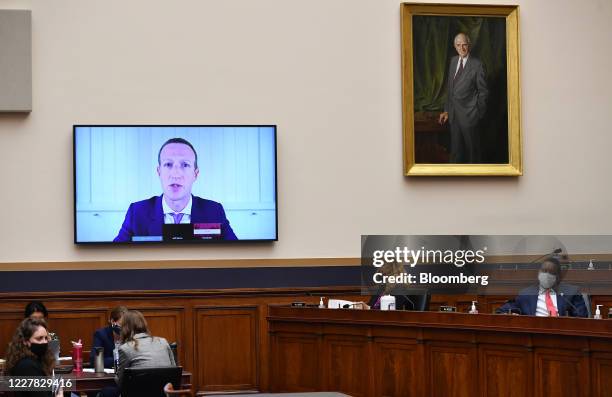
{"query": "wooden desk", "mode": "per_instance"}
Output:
(91, 381)
(375, 353)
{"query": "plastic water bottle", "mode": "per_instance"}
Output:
(116, 356)
(77, 356)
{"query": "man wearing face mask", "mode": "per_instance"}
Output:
(550, 298)
(107, 336)
(28, 354)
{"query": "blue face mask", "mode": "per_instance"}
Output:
(116, 329)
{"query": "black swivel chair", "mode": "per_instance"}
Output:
(149, 382)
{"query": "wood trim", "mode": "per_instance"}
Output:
(178, 264)
(164, 294)
(244, 263)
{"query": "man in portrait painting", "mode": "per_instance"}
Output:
(460, 90)
(466, 103)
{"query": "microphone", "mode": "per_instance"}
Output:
(555, 251)
(511, 310)
(569, 303)
(411, 302)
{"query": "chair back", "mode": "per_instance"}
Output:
(174, 348)
(149, 382)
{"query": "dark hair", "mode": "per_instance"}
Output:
(118, 312)
(33, 307)
(556, 263)
(178, 140)
(133, 322)
(18, 350)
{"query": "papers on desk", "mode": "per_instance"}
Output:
(106, 370)
(341, 304)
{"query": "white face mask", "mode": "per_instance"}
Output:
(547, 280)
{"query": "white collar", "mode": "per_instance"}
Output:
(543, 291)
(167, 210)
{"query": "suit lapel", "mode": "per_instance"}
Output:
(533, 302)
(157, 218)
(466, 68)
(560, 304)
(197, 209)
(453, 68)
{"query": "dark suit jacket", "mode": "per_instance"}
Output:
(146, 217)
(527, 301)
(466, 103)
(103, 337)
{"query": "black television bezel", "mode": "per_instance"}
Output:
(176, 242)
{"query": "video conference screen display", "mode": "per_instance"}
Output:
(174, 184)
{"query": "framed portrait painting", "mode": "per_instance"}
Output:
(461, 90)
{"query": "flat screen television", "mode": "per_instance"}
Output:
(144, 184)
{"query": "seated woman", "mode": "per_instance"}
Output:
(139, 349)
(28, 354)
(37, 310)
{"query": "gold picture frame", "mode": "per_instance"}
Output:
(435, 145)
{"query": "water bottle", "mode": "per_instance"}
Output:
(98, 352)
(116, 356)
(77, 356)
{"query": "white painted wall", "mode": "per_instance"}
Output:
(328, 74)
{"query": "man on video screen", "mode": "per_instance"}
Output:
(177, 170)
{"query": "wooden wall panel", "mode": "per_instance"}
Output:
(601, 374)
(563, 373)
(400, 369)
(226, 348)
(505, 372)
(456, 365)
(167, 323)
(8, 323)
(72, 325)
(347, 365)
(296, 362)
